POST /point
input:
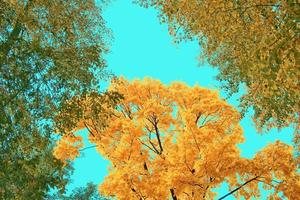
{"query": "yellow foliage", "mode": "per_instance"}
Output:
(179, 142)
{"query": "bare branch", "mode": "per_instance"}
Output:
(157, 134)
(90, 147)
(236, 189)
(89, 130)
(154, 150)
(152, 144)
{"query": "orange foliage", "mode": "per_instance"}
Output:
(180, 142)
(67, 147)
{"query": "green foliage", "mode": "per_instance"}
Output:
(50, 51)
(29, 169)
(252, 42)
(89, 106)
(89, 192)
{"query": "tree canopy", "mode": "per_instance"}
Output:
(89, 192)
(256, 43)
(50, 51)
(179, 142)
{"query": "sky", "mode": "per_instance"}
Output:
(142, 48)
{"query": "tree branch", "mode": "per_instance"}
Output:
(174, 197)
(154, 150)
(89, 130)
(85, 148)
(158, 135)
(236, 189)
(154, 121)
(197, 118)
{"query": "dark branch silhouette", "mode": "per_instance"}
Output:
(85, 148)
(174, 197)
(236, 189)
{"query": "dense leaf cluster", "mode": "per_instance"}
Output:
(50, 51)
(256, 43)
(184, 141)
(89, 192)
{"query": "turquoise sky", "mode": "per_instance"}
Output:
(142, 48)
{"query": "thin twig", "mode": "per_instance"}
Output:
(85, 148)
(236, 189)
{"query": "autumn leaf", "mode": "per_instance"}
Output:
(180, 142)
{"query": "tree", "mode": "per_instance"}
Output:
(29, 169)
(49, 52)
(89, 192)
(180, 142)
(256, 43)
